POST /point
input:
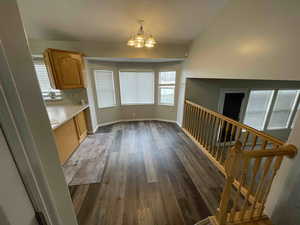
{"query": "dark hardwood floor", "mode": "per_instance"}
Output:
(154, 175)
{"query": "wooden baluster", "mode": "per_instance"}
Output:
(192, 121)
(184, 115)
(254, 142)
(187, 117)
(196, 122)
(276, 167)
(266, 167)
(255, 169)
(224, 151)
(245, 140)
(212, 134)
(218, 153)
(231, 168)
(218, 124)
(241, 181)
(264, 144)
(190, 118)
(232, 135)
(239, 134)
(200, 125)
(204, 128)
(207, 132)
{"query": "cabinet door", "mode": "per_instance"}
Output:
(66, 68)
(66, 140)
(81, 126)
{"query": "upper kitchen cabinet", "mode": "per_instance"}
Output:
(65, 68)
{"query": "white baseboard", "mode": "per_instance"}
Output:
(132, 120)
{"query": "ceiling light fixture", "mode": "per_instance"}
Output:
(141, 40)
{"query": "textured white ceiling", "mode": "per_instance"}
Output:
(170, 21)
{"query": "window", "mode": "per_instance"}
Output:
(257, 108)
(105, 90)
(48, 92)
(296, 115)
(284, 105)
(137, 87)
(166, 87)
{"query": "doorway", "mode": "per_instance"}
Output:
(231, 105)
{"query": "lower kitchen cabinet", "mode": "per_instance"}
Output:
(69, 135)
(81, 126)
(66, 140)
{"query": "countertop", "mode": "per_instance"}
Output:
(59, 114)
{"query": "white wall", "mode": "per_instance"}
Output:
(119, 112)
(283, 203)
(257, 39)
(21, 88)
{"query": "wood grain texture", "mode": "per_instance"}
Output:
(66, 140)
(65, 68)
(81, 126)
(154, 175)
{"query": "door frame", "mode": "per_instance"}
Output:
(224, 91)
(11, 133)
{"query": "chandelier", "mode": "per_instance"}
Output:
(141, 40)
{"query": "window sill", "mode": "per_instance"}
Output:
(169, 105)
(137, 104)
(108, 107)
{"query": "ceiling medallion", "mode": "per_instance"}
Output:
(141, 40)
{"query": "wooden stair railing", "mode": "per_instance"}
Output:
(255, 172)
(215, 133)
(248, 158)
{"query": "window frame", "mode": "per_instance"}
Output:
(269, 107)
(292, 111)
(113, 86)
(52, 95)
(136, 71)
(168, 85)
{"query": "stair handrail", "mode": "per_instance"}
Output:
(236, 170)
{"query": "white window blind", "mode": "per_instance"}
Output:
(137, 87)
(166, 86)
(284, 105)
(257, 108)
(105, 88)
(48, 92)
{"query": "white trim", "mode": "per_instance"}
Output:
(169, 85)
(132, 120)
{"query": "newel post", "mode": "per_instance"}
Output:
(231, 169)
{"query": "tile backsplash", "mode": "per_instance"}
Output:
(71, 96)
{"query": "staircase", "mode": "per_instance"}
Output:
(264, 221)
(248, 158)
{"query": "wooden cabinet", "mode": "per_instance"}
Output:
(81, 126)
(66, 140)
(69, 135)
(65, 68)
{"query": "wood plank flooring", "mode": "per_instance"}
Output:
(154, 175)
